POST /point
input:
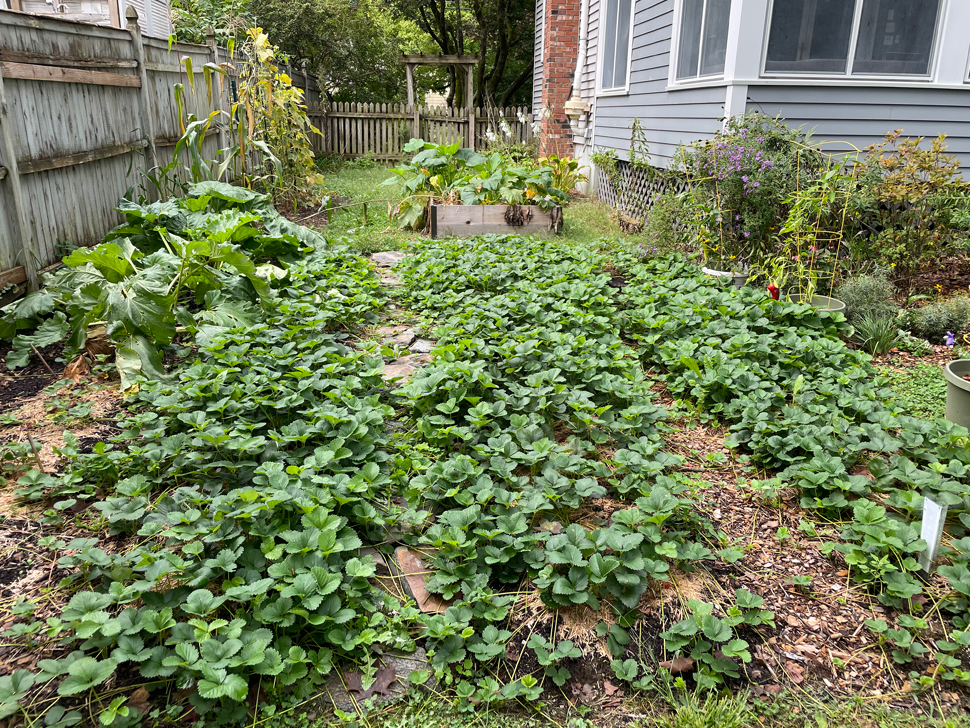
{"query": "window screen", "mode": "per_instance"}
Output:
(703, 38)
(810, 36)
(896, 36)
(616, 43)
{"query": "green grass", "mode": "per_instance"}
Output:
(585, 219)
(921, 390)
(729, 710)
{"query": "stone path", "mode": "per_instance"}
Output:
(400, 337)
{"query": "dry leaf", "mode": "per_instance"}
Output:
(610, 688)
(796, 672)
(679, 665)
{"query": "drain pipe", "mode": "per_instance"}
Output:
(576, 108)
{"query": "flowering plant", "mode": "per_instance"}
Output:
(738, 184)
(911, 207)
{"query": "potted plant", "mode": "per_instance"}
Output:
(958, 392)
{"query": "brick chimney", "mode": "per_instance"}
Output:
(560, 46)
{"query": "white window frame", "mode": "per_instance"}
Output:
(676, 30)
(848, 75)
(601, 53)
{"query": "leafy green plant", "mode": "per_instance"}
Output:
(934, 320)
(710, 641)
(876, 334)
(190, 262)
(867, 295)
(566, 172)
(449, 173)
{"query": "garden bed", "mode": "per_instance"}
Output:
(465, 221)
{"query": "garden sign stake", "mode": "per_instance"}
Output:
(934, 517)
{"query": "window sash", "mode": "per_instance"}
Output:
(862, 42)
(617, 29)
(702, 45)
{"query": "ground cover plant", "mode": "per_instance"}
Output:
(809, 408)
(246, 502)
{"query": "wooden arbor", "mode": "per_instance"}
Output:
(467, 64)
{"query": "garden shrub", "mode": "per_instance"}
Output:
(934, 320)
(665, 228)
(740, 184)
(868, 295)
(910, 207)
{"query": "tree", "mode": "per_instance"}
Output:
(501, 31)
(352, 46)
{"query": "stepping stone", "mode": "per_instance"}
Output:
(422, 346)
(398, 371)
(415, 360)
(398, 666)
(402, 340)
(389, 281)
(385, 331)
(416, 575)
(389, 258)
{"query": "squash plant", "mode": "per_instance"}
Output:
(448, 174)
(200, 264)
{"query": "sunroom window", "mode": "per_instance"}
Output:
(703, 38)
(893, 37)
(616, 45)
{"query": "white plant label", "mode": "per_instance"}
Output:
(934, 517)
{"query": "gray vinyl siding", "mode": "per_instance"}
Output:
(669, 118)
(538, 55)
(857, 117)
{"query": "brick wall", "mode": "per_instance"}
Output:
(560, 49)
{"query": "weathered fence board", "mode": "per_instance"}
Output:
(380, 131)
(88, 110)
(465, 221)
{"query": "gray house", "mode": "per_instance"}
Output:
(850, 70)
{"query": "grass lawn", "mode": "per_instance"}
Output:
(585, 220)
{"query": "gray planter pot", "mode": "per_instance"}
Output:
(958, 392)
(825, 303)
(737, 279)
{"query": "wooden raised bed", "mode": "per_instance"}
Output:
(465, 221)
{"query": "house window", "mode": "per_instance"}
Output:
(815, 36)
(616, 45)
(896, 36)
(703, 38)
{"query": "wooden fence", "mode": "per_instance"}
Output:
(381, 130)
(84, 111)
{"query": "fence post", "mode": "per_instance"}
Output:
(144, 104)
(27, 239)
(416, 122)
(470, 103)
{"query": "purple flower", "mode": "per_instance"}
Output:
(747, 234)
